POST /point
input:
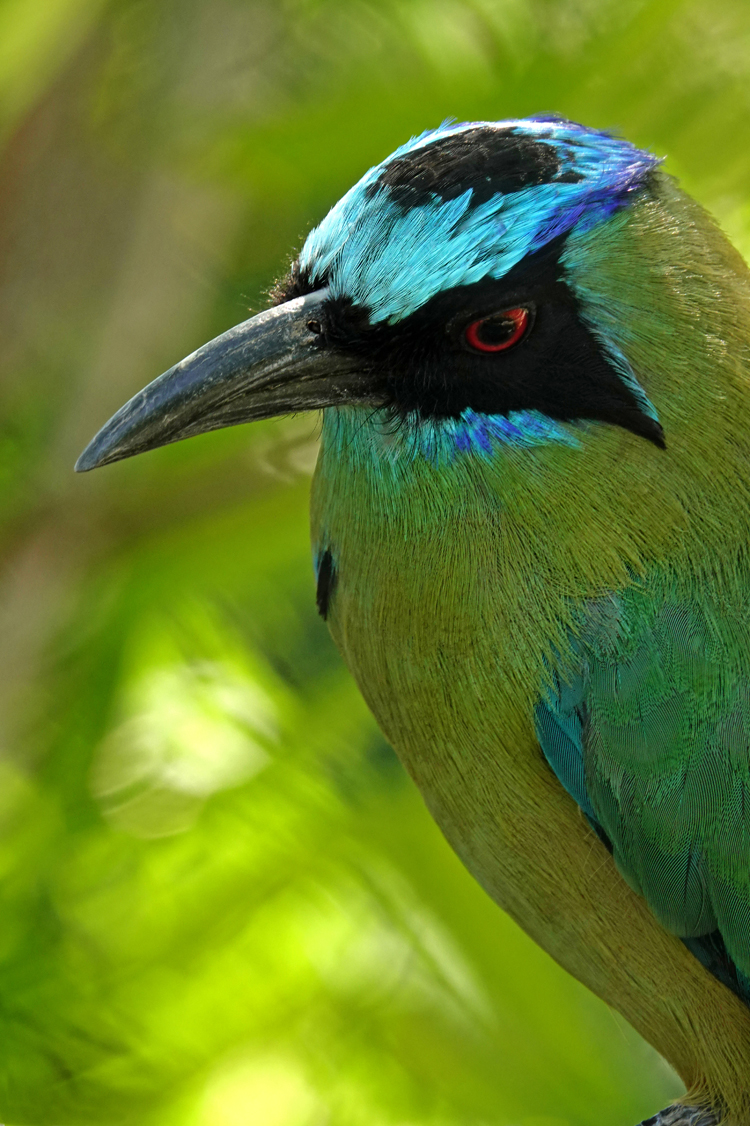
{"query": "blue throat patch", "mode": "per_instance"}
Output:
(391, 259)
(378, 440)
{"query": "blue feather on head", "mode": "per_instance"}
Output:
(391, 258)
(460, 205)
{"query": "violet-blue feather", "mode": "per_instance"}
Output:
(384, 443)
(391, 262)
(443, 440)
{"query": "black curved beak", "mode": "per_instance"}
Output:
(272, 364)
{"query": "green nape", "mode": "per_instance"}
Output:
(464, 583)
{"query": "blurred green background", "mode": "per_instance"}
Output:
(221, 901)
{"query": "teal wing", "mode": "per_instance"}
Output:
(648, 727)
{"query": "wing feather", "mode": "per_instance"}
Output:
(648, 728)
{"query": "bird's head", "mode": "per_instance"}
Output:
(449, 288)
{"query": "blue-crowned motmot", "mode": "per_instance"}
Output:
(531, 533)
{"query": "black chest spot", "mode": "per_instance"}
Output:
(327, 577)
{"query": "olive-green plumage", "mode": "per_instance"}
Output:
(461, 588)
(531, 521)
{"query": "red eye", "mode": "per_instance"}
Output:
(498, 331)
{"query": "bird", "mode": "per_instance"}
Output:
(531, 540)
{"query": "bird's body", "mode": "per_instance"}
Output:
(546, 609)
(459, 585)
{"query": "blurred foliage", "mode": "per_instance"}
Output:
(221, 901)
